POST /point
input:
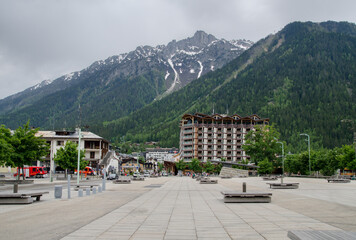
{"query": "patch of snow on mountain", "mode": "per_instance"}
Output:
(201, 69)
(167, 75)
(180, 71)
(212, 68)
(212, 43)
(176, 76)
(41, 84)
(193, 47)
(189, 53)
(192, 70)
(69, 76)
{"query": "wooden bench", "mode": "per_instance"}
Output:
(122, 181)
(84, 186)
(243, 197)
(338, 180)
(20, 198)
(324, 234)
(283, 185)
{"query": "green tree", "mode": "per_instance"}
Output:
(208, 167)
(67, 157)
(265, 167)
(6, 148)
(181, 165)
(261, 143)
(217, 168)
(160, 166)
(347, 157)
(195, 165)
(27, 147)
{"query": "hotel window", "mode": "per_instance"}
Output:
(92, 154)
(60, 143)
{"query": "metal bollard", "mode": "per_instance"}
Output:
(58, 191)
(68, 186)
(104, 179)
(99, 189)
(87, 191)
(244, 187)
(16, 187)
(80, 192)
(94, 190)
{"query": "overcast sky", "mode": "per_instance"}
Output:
(44, 39)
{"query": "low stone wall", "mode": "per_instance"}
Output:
(227, 172)
(7, 181)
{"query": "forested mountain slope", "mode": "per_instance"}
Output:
(303, 78)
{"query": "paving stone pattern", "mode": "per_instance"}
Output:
(184, 209)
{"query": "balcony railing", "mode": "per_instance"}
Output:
(188, 136)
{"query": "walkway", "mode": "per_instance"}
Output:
(184, 209)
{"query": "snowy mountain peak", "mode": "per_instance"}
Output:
(178, 63)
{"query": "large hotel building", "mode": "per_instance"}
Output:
(211, 137)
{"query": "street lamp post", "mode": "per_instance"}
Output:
(304, 134)
(78, 164)
(282, 157)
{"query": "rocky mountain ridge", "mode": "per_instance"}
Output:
(163, 69)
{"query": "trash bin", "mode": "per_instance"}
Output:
(58, 191)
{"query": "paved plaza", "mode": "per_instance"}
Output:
(181, 208)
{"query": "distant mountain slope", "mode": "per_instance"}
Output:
(121, 84)
(303, 78)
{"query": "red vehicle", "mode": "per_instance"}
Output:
(33, 171)
(86, 171)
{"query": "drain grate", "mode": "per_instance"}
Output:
(153, 186)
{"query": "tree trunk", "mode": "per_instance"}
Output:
(23, 173)
(65, 174)
(18, 174)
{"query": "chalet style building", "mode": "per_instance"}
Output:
(211, 137)
(95, 146)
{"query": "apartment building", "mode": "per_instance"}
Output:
(210, 137)
(95, 146)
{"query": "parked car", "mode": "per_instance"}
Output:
(136, 175)
(146, 174)
(112, 176)
(164, 174)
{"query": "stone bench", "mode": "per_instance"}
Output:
(269, 178)
(208, 181)
(20, 198)
(324, 234)
(84, 186)
(283, 185)
(138, 179)
(338, 180)
(243, 197)
(122, 181)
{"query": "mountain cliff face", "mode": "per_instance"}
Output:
(302, 78)
(114, 87)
